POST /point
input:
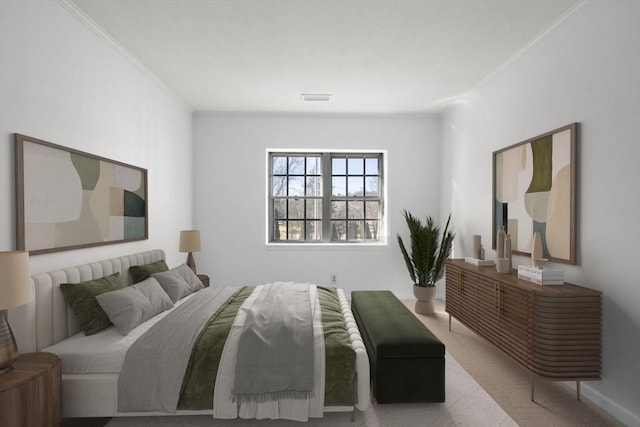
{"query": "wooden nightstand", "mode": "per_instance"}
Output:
(204, 279)
(30, 393)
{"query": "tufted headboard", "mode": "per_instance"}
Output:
(48, 319)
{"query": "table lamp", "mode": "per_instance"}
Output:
(15, 290)
(190, 242)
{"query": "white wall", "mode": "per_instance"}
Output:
(230, 196)
(61, 83)
(588, 71)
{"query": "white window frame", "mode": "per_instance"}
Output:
(327, 197)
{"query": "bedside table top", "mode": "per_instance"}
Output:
(26, 367)
(204, 279)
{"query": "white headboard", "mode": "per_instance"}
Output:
(47, 319)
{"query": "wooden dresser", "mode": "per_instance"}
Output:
(30, 393)
(554, 331)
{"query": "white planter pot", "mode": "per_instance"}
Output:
(424, 297)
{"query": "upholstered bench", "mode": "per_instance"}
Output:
(406, 359)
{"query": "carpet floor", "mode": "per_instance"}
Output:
(484, 387)
(467, 404)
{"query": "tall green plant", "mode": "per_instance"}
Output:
(429, 252)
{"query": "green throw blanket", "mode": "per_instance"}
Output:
(340, 388)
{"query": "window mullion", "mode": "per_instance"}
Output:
(326, 197)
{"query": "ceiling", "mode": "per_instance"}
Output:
(372, 56)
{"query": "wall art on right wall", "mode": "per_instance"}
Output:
(534, 190)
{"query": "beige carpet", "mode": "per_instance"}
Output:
(467, 404)
(497, 380)
(508, 383)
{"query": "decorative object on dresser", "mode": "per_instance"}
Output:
(478, 253)
(536, 251)
(190, 242)
(15, 290)
(500, 234)
(480, 262)
(502, 265)
(503, 261)
(425, 262)
(69, 199)
(541, 276)
(507, 249)
(554, 332)
(477, 246)
(534, 190)
(30, 394)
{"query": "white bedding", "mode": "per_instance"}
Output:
(103, 352)
(90, 378)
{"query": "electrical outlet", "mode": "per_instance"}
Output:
(334, 279)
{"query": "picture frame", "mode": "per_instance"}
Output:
(534, 190)
(68, 199)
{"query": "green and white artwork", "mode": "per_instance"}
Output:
(534, 191)
(68, 199)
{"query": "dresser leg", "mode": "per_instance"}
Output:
(578, 389)
(533, 386)
(449, 322)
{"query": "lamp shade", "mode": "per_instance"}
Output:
(15, 283)
(190, 241)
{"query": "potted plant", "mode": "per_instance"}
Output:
(426, 259)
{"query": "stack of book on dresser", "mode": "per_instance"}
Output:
(540, 276)
(479, 262)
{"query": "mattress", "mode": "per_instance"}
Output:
(103, 352)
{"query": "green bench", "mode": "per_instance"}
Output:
(406, 359)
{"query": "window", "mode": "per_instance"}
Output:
(326, 197)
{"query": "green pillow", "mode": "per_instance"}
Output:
(81, 297)
(139, 273)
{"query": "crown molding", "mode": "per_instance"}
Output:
(531, 43)
(75, 11)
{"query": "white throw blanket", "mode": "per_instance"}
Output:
(275, 349)
(224, 404)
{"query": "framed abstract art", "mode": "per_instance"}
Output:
(534, 190)
(68, 199)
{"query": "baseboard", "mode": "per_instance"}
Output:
(620, 413)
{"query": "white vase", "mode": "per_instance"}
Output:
(536, 250)
(500, 242)
(424, 299)
(507, 249)
(477, 245)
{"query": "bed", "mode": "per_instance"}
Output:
(92, 364)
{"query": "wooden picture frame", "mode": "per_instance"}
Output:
(534, 190)
(68, 199)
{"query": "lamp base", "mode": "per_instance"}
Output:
(8, 347)
(191, 262)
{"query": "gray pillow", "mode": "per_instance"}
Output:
(190, 277)
(178, 282)
(131, 306)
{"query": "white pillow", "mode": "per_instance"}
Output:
(130, 306)
(178, 282)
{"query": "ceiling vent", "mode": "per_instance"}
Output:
(312, 97)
